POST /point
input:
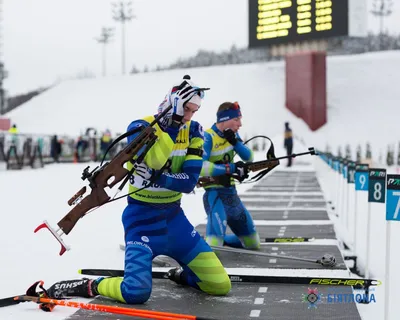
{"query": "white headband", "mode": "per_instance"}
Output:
(196, 100)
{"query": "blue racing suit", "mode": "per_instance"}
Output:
(155, 223)
(221, 201)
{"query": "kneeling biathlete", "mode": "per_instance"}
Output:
(221, 201)
(153, 220)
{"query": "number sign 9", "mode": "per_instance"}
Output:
(361, 177)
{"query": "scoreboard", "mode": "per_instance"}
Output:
(285, 21)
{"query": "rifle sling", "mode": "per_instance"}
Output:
(261, 174)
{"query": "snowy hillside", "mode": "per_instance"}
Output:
(362, 96)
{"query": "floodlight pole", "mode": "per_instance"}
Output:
(382, 9)
(104, 39)
(3, 72)
(122, 12)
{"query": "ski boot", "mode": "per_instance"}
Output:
(84, 287)
(175, 275)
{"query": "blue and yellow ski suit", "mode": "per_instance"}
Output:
(155, 223)
(222, 203)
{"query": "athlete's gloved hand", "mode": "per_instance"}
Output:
(230, 136)
(179, 97)
(144, 171)
(241, 170)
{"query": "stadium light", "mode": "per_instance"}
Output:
(122, 12)
(105, 38)
(382, 9)
(3, 72)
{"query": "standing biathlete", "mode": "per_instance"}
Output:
(221, 201)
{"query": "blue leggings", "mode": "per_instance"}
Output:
(224, 208)
(151, 231)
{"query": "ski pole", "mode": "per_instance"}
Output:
(327, 260)
(158, 315)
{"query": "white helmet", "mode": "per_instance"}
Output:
(196, 99)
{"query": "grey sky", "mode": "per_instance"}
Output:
(46, 39)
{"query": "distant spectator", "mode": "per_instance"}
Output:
(40, 143)
(55, 149)
(105, 142)
(288, 142)
(80, 148)
(14, 134)
(91, 132)
(13, 129)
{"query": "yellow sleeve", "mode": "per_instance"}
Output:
(159, 153)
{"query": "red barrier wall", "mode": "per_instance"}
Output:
(5, 124)
(306, 87)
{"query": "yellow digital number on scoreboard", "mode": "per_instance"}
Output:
(304, 16)
(323, 15)
(272, 20)
(282, 21)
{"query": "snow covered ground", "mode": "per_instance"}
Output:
(363, 106)
(30, 196)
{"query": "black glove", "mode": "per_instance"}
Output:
(241, 170)
(230, 136)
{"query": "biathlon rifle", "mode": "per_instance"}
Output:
(106, 175)
(268, 164)
(250, 166)
(265, 166)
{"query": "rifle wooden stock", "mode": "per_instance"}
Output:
(261, 165)
(251, 166)
(96, 198)
(108, 175)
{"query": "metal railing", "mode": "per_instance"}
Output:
(19, 150)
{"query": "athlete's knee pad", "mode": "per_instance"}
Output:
(251, 241)
(212, 275)
(214, 240)
(138, 296)
(220, 288)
